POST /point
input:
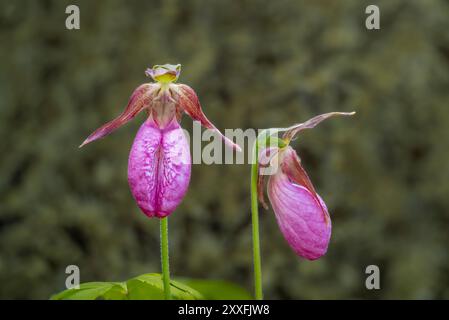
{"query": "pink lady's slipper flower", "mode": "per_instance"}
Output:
(159, 162)
(300, 212)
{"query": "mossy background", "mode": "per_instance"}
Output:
(255, 64)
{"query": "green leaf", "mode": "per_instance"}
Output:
(182, 291)
(140, 290)
(150, 287)
(117, 292)
(89, 291)
(218, 289)
(178, 290)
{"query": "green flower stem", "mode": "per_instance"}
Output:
(164, 258)
(255, 224)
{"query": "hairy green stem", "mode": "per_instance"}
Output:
(164, 257)
(255, 224)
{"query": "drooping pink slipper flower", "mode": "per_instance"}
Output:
(159, 162)
(300, 212)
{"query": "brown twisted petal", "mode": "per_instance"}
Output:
(189, 102)
(266, 155)
(292, 131)
(139, 100)
(260, 193)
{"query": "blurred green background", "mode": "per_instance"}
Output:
(384, 174)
